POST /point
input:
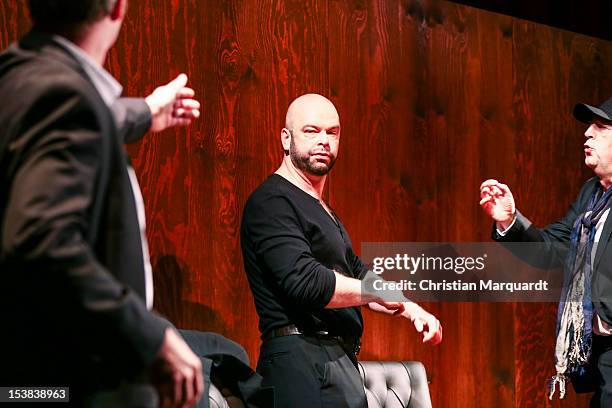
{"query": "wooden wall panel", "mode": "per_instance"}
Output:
(257, 60)
(434, 97)
(14, 21)
(425, 91)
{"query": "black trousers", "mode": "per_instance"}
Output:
(602, 357)
(310, 372)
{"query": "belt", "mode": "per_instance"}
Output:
(348, 343)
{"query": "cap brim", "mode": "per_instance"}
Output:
(586, 113)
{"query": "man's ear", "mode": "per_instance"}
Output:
(119, 9)
(286, 139)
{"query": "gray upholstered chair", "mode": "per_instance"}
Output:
(388, 384)
(395, 384)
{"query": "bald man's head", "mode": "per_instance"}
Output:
(312, 134)
(310, 106)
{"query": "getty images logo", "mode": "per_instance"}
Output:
(414, 264)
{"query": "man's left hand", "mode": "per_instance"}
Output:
(424, 322)
(173, 105)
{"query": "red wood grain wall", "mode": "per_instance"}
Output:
(433, 97)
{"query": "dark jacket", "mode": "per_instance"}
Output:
(556, 236)
(71, 266)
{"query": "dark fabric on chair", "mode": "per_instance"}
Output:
(226, 365)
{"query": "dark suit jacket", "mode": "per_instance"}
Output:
(554, 239)
(71, 267)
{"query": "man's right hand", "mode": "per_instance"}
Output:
(172, 104)
(177, 373)
(497, 201)
(423, 321)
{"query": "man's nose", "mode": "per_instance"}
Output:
(323, 137)
(590, 132)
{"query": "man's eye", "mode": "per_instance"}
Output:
(310, 131)
(602, 125)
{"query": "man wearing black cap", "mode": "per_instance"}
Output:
(583, 350)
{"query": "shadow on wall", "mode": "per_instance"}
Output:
(171, 280)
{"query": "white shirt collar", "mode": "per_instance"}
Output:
(107, 86)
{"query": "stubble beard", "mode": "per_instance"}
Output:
(304, 163)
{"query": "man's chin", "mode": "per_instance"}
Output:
(590, 163)
(319, 170)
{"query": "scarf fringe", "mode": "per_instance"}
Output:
(557, 379)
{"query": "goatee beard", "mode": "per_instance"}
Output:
(303, 163)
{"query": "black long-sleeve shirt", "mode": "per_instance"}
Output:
(290, 245)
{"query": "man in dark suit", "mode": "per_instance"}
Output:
(75, 278)
(583, 350)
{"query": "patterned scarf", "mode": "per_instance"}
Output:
(575, 315)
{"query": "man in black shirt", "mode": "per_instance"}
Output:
(305, 277)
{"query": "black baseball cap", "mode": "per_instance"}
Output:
(587, 113)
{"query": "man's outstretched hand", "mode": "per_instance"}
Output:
(173, 105)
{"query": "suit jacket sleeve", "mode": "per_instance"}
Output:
(551, 241)
(133, 118)
(47, 219)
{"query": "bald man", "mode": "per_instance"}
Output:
(305, 277)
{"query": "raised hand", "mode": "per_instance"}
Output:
(173, 105)
(497, 201)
